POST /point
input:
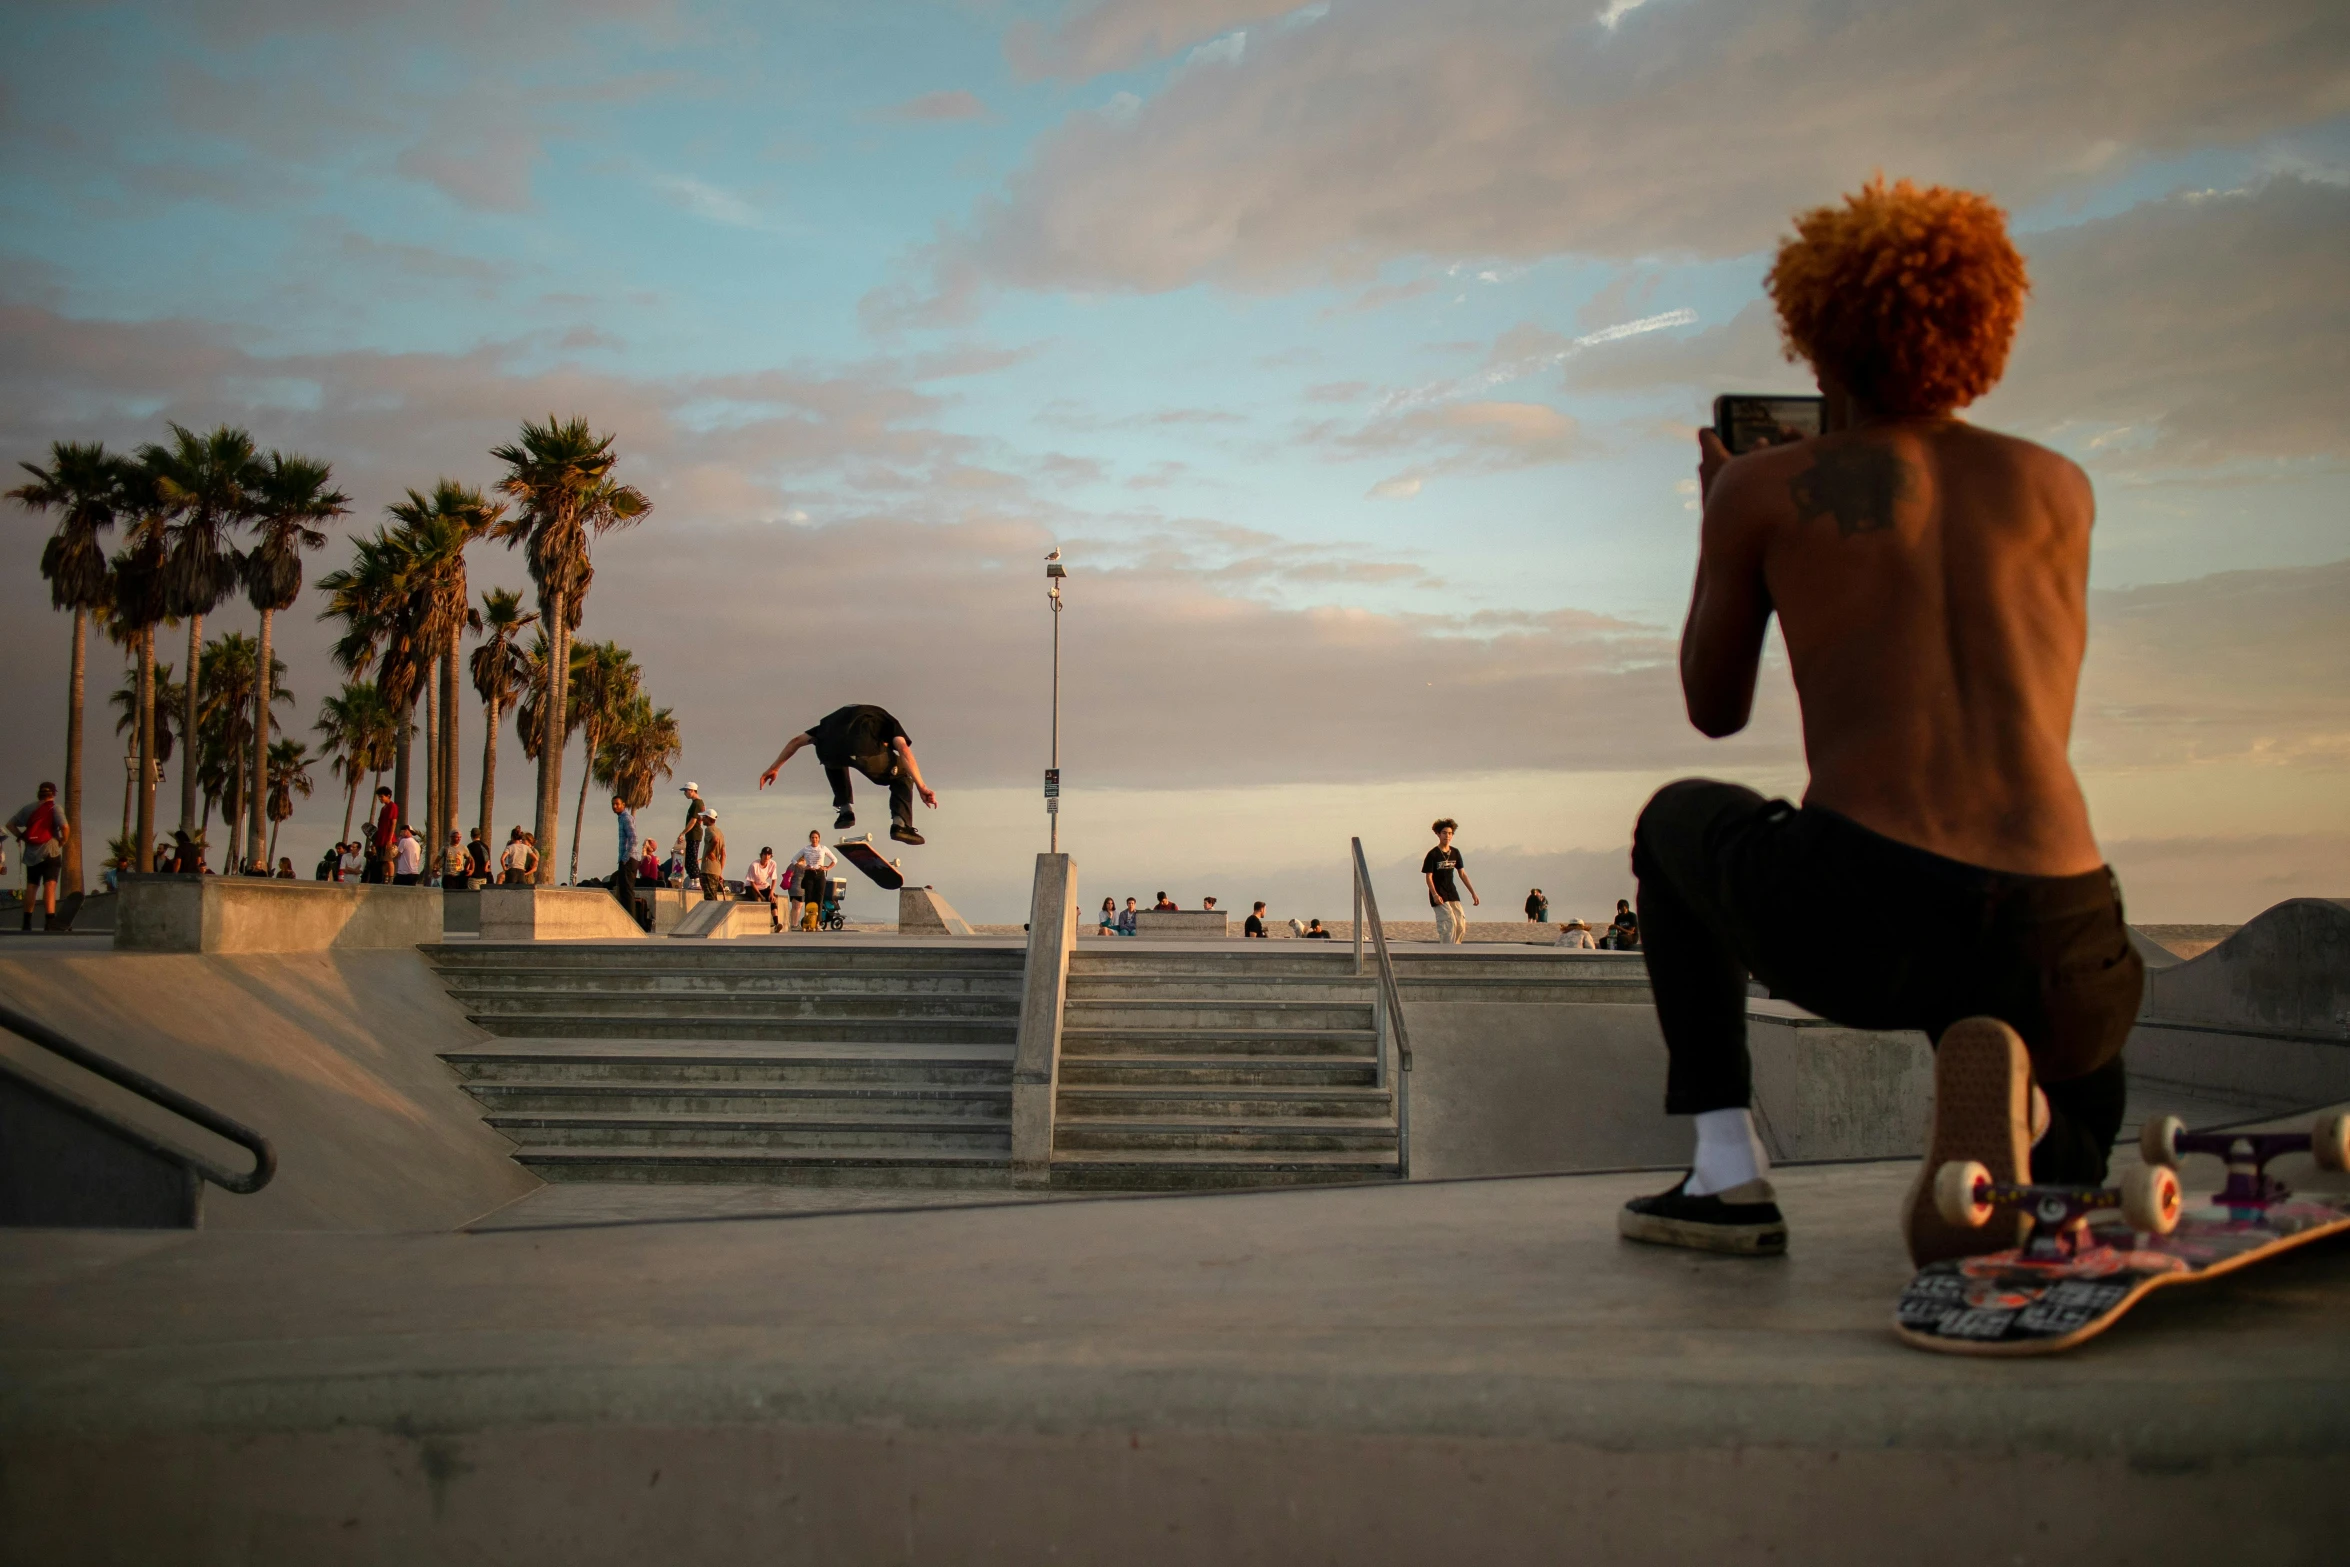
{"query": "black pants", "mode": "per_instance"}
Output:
(624, 888)
(882, 769)
(1875, 934)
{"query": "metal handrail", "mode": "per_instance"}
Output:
(179, 1104)
(1391, 1006)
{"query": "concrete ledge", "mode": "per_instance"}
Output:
(922, 912)
(1182, 924)
(249, 914)
(1539, 1087)
(553, 914)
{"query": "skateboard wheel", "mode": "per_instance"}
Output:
(2150, 1199)
(1954, 1194)
(2158, 1140)
(2329, 1142)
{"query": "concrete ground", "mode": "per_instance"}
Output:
(1468, 1371)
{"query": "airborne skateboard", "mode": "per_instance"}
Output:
(2094, 1253)
(865, 854)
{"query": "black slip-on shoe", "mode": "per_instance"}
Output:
(844, 821)
(905, 835)
(1743, 1221)
(1982, 1112)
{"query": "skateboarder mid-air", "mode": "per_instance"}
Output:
(874, 743)
(1930, 581)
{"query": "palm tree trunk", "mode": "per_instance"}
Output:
(449, 734)
(350, 804)
(432, 765)
(551, 737)
(73, 759)
(489, 772)
(403, 733)
(145, 843)
(261, 696)
(587, 770)
(129, 782)
(188, 820)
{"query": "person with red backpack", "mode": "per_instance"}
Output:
(41, 828)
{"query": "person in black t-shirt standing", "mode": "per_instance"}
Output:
(869, 739)
(1440, 867)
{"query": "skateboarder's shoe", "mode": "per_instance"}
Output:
(1982, 1113)
(905, 835)
(1744, 1220)
(845, 820)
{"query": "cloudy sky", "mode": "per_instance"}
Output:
(1350, 352)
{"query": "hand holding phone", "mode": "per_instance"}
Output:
(1748, 421)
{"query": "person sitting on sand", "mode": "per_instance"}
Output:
(1931, 582)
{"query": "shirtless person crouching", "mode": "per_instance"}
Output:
(1930, 581)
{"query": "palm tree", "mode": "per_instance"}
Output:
(147, 691)
(604, 678)
(226, 683)
(141, 604)
(500, 671)
(204, 483)
(643, 745)
(561, 476)
(371, 597)
(434, 532)
(289, 775)
(355, 730)
(289, 496)
(84, 483)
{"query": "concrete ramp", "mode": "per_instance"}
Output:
(2288, 971)
(329, 1055)
(922, 912)
(725, 919)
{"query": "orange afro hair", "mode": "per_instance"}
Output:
(1909, 297)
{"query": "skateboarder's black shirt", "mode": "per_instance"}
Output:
(1441, 863)
(848, 735)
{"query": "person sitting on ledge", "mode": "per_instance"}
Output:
(1164, 904)
(1930, 580)
(1109, 924)
(1129, 919)
(1315, 932)
(1576, 934)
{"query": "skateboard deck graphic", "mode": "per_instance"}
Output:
(865, 854)
(2084, 1266)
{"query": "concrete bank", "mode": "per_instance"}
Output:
(251, 914)
(1475, 1372)
(329, 1055)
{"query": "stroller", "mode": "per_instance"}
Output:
(830, 912)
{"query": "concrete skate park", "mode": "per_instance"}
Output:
(585, 1245)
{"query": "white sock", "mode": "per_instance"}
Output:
(1728, 1153)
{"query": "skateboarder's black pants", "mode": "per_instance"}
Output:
(883, 769)
(1875, 934)
(624, 888)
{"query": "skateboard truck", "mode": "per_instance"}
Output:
(2148, 1197)
(2162, 1141)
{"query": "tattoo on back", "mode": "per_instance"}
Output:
(1859, 485)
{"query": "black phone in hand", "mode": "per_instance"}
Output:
(1747, 420)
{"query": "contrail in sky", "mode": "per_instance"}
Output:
(1518, 369)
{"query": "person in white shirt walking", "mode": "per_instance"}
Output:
(808, 870)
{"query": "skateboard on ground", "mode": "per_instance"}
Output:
(865, 854)
(2093, 1253)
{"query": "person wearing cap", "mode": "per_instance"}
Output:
(761, 879)
(696, 809)
(713, 857)
(407, 859)
(1576, 934)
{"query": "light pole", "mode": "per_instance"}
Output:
(1054, 571)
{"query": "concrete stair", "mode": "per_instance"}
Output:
(1184, 1070)
(817, 1065)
